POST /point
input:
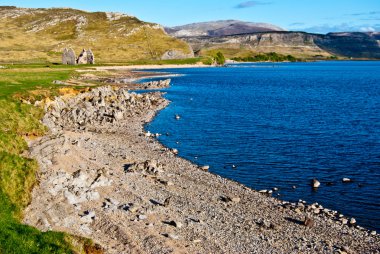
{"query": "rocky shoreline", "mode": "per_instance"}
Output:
(103, 177)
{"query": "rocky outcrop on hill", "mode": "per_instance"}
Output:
(255, 40)
(357, 45)
(295, 43)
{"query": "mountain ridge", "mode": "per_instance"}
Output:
(302, 45)
(220, 28)
(206, 38)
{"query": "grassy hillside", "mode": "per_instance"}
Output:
(17, 171)
(245, 52)
(39, 35)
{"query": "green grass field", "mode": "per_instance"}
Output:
(17, 172)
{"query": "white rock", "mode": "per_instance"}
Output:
(85, 229)
(80, 180)
(316, 183)
(92, 195)
(113, 201)
(142, 217)
(205, 168)
(88, 217)
(102, 181)
(172, 236)
(119, 115)
(72, 198)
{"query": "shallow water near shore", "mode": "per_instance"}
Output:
(280, 125)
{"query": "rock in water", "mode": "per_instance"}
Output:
(346, 180)
(315, 183)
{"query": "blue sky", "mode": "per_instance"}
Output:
(320, 16)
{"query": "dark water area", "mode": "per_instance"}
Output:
(282, 125)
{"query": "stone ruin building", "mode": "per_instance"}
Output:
(85, 57)
(68, 57)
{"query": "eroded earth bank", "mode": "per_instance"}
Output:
(103, 177)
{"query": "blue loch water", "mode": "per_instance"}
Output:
(282, 125)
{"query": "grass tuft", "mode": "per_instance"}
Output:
(21, 119)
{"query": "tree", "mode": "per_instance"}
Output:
(220, 59)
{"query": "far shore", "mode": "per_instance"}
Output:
(153, 66)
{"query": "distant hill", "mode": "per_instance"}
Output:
(221, 28)
(41, 34)
(351, 44)
(241, 39)
(299, 44)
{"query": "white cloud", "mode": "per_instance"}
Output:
(344, 27)
(367, 29)
(249, 4)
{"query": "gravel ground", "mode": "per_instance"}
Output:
(103, 177)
